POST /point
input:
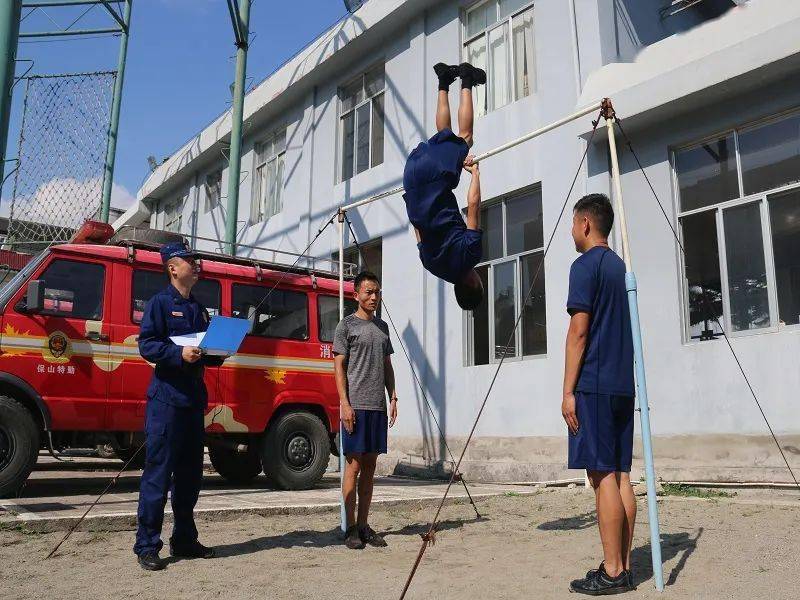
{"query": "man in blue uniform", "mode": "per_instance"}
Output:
(598, 398)
(176, 403)
(448, 247)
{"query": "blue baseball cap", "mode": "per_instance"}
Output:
(176, 250)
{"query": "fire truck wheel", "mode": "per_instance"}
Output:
(235, 467)
(19, 445)
(295, 450)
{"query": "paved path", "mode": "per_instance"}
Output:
(57, 493)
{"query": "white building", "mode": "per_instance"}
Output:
(710, 103)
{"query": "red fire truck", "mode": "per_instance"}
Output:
(71, 375)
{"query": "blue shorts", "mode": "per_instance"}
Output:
(369, 433)
(604, 441)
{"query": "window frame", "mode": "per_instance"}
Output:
(210, 205)
(250, 334)
(163, 274)
(259, 164)
(367, 100)
(762, 198)
(178, 204)
(519, 297)
(466, 40)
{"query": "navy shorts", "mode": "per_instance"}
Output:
(369, 433)
(604, 441)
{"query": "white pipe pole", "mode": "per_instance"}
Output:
(529, 136)
(342, 512)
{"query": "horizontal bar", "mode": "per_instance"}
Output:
(38, 34)
(51, 3)
(581, 113)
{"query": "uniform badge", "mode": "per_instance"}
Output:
(177, 313)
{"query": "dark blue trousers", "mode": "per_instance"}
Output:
(174, 463)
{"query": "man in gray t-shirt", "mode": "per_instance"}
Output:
(364, 375)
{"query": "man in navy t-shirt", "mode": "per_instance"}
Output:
(598, 402)
(448, 247)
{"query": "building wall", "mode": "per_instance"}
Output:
(702, 412)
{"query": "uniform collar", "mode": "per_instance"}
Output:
(176, 295)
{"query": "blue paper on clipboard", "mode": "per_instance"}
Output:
(224, 336)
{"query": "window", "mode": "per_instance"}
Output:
(213, 188)
(147, 284)
(739, 213)
(499, 39)
(372, 257)
(73, 290)
(173, 215)
(361, 120)
(284, 314)
(513, 247)
(328, 312)
(268, 194)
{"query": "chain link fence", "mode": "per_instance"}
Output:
(62, 148)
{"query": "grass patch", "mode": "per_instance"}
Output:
(512, 494)
(689, 491)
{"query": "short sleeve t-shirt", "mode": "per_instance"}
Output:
(364, 344)
(597, 286)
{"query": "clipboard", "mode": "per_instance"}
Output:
(223, 338)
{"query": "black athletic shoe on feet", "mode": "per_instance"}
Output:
(352, 540)
(446, 73)
(369, 536)
(601, 583)
(471, 76)
(628, 572)
(151, 562)
(194, 550)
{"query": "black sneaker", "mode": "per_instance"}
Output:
(353, 540)
(446, 73)
(601, 583)
(193, 550)
(369, 536)
(471, 76)
(151, 562)
(628, 572)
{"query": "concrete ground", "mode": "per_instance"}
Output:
(58, 493)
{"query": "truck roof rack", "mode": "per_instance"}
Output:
(152, 239)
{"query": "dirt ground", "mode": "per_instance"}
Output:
(525, 547)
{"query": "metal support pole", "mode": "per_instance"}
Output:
(342, 512)
(638, 353)
(10, 12)
(116, 102)
(235, 160)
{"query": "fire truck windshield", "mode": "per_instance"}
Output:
(13, 284)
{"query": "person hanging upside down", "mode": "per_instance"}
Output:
(448, 247)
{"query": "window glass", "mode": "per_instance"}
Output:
(480, 17)
(509, 7)
(147, 284)
(73, 289)
(524, 226)
(213, 190)
(377, 130)
(492, 225)
(534, 315)
(352, 94)
(707, 174)
(505, 293)
(284, 314)
(476, 56)
(348, 145)
(770, 155)
(328, 309)
(480, 317)
(524, 66)
(498, 74)
(374, 81)
(362, 142)
(784, 213)
(703, 278)
(747, 273)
